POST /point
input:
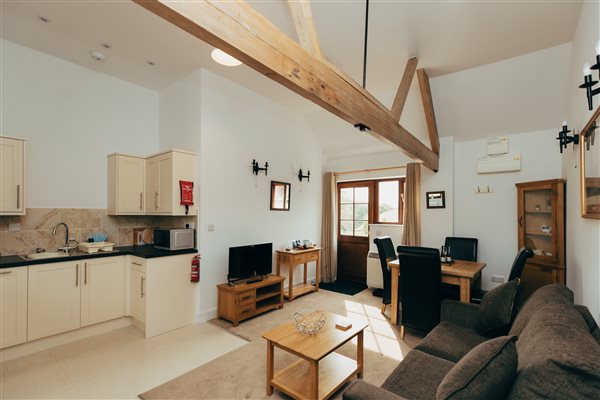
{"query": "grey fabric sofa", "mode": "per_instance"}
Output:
(556, 356)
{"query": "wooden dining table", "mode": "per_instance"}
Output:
(460, 273)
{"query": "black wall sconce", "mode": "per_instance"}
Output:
(362, 127)
(256, 168)
(564, 139)
(300, 176)
(588, 82)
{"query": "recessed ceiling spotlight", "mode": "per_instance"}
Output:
(151, 63)
(224, 59)
(106, 45)
(96, 55)
(43, 19)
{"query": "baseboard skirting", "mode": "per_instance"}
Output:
(21, 350)
(207, 315)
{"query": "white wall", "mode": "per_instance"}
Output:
(235, 126)
(583, 235)
(492, 217)
(72, 118)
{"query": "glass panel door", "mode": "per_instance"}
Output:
(538, 223)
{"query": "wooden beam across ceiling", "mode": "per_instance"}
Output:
(404, 87)
(428, 108)
(238, 29)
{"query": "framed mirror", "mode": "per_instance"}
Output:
(280, 196)
(589, 148)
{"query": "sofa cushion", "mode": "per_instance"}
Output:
(418, 376)
(542, 297)
(486, 372)
(558, 357)
(591, 322)
(450, 341)
(498, 309)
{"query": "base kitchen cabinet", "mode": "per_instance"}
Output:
(54, 299)
(13, 306)
(162, 296)
(102, 290)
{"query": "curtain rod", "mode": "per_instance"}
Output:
(368, 170)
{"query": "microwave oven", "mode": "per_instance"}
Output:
(173, 239)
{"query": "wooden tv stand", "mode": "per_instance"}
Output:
(244, 300)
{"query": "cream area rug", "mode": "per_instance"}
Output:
(241, 374)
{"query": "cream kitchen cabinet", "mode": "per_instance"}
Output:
(102, 290)
(162, 296)
(12, 176)
(137, 291)
(163, 172)
(54, 299)
(13, 306)
(126, 184)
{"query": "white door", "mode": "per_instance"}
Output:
(102, 290)
(11, 176)
(13, 306)
(53, 298)
(130, 184)
(138, 295)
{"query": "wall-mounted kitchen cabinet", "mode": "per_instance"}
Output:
(12, 176)
(13, 300)
(126, 184)
(160, 177)
(163, 172)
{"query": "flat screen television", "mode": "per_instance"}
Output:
(250, 261)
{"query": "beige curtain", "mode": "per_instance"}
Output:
(328, 229)
(412, 211)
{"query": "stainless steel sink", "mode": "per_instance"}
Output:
(45, 254)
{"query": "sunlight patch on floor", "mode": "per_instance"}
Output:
(379, 336)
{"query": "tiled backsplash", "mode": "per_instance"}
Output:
(36, 227)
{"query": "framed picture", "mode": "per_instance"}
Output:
(436, 199)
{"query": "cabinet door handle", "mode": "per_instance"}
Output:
(135, 263)
(18, 196)
(521, 221)
(142, 293)
(246, 311)
(5, 272)
(156, 206)
(141, 201)
(246, 298)
(85, 274)
(76, 275)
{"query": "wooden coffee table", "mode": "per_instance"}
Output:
(320, 371)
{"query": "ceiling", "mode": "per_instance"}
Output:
(447, 36)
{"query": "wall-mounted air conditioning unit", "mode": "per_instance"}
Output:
(499, 163)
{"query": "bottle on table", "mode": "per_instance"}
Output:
(448, 256)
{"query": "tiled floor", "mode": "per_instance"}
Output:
(115, 365)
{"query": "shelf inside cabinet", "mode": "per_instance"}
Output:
(539, 234)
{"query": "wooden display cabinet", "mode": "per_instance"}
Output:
(541, 225)
(244, 300)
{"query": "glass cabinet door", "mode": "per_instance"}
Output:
(537, 223)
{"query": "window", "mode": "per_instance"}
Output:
(354, 211)
(388, 196)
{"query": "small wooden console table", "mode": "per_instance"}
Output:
(292, 258)
(244, 300)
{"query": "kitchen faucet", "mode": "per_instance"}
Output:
(66, 248)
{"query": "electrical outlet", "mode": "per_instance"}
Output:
(211, 227)
(190, 225)
(497, 279)
(14, 227)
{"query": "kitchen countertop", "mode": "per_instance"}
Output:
(145, 251)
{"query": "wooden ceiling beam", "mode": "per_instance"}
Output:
(428, 108)
(305, 27)
(404, 87)
(238, 29)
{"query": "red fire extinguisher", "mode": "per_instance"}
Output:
(195, 276)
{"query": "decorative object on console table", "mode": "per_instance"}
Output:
(291, 258)
(436, 199)
(541, 227)
(244, 300)
(589, 153)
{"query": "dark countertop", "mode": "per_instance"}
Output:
(138, 251)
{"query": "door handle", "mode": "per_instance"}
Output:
(156, 200)
(5, 272)
(18, 196)
(141, 201)
(85, 274)
(142, 287)
(135, 263)
(76, 275)
(521, 221)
